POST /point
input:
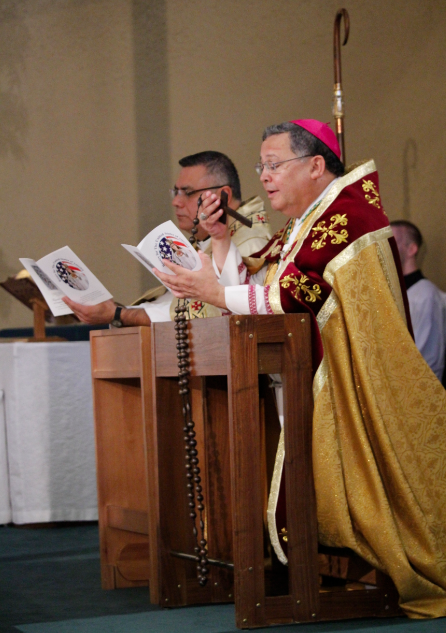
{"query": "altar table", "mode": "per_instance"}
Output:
(47, 451)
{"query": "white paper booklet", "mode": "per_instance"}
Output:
(166, 242)
(62, 273)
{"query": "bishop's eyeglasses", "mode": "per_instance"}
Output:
(183, 191)
(272, 167)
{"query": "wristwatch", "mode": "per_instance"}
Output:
(116, 322)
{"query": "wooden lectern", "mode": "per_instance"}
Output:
(23, 288)
(145, 530)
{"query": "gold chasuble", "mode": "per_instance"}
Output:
(379, 424)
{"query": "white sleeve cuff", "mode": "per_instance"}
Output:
(247, 299)
(236, 299)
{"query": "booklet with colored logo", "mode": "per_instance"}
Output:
(62, 273)
(165, 243)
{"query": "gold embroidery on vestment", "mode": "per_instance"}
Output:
(338, 238)
(369, 185)
(310, 294)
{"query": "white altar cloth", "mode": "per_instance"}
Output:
(47, 453)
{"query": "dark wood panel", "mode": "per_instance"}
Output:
(269, 328)
(300, 495)
(279, 610)
(175, 525)
(216, 441)
(246, 474)
(337, 605)
(270, 358)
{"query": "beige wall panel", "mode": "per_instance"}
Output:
(75, 182)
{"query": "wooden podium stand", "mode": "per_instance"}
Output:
(145, 530)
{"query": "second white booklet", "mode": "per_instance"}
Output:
(165, 242)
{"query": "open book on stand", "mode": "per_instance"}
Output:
(165, 243)
(62, 273)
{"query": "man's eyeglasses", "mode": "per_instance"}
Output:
(178, 191)
(272, 167)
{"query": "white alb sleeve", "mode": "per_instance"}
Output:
(159, 309)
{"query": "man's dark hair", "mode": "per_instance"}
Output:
(218, 165)
(303, 142)
(413, 232)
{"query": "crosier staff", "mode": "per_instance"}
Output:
(338, 98)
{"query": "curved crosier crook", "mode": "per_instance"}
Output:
(338, 100)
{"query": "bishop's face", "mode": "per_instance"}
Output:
(190, 179)
(289, 187)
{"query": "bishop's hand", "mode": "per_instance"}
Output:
(202, 284)
(210, 203)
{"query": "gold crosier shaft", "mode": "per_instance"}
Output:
(338, 97)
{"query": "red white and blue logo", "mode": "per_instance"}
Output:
(71, 274)
(168, 245)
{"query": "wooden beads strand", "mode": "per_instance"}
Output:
(194, 487)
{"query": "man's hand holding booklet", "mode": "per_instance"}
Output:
(62, 273)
